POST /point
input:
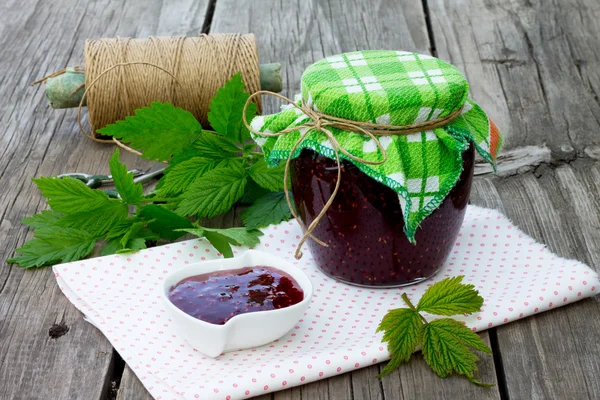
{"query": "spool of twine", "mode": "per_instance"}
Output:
(124, 74)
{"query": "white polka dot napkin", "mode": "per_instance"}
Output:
(120, 295)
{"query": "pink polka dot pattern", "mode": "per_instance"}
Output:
(120, 295)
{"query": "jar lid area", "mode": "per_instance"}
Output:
(384, 87)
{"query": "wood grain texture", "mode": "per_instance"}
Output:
(336, 388)
(417, 381)
(539, 63)
(515, 161)
(553, 355)
(297, 33)
(131, 388)
(39, 37)
(533, 65)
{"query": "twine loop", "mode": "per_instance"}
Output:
(320, 122)
(76, 69)
(90, 135)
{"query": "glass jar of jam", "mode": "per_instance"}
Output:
(363, 228)
(407, 135)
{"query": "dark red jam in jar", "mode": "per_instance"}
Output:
(218, 296)
(364, 225)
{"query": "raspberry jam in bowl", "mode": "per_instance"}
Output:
(218, 296)
(236, 303)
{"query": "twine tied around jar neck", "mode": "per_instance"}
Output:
(321, 122)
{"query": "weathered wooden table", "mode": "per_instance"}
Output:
(533, 64)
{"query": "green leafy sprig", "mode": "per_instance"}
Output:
(208, 173)
(446, 342)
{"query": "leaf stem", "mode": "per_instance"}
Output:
(408, 302)
(412, 307)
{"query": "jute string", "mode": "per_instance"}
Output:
(124, 74)
(320, 122)
(77, 69)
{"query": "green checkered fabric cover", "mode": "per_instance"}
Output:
(392, 88)
(384, 87)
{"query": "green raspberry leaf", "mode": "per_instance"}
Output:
(77, 230)
(402, 329)
(182, 156)
(220, 242)
(133, 244)
(222, 239)
(241, 236)
(159, 131)
(76, 206)
(70, 195)
(252, 192)
(127, 235)
(45, 218)
(122, 227)
(445, 343)
(181, 176)
(268, 178)
(53, 245)
(177, 159)
(226, 110)
(96, 222)
(132, 232)
(272, 208)
(445, 346)
(111, 247)
(450, 297)
(216, 147)
(131, 193)
(464, 334)
(165, 223)
(115, 246)
(214, 193)
(137, 231)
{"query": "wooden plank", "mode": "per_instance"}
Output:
(366, 385)
(336, 388)
(32, 364)
(417, 381)
(37, 38)
(46, 348)
(298, 35)
(515, 161)
(553, 355)
(568, 360)
(539, 65)
(580, 186)
(131, 388)
(533, 65)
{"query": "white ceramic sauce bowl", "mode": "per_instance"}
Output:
(241, 331)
